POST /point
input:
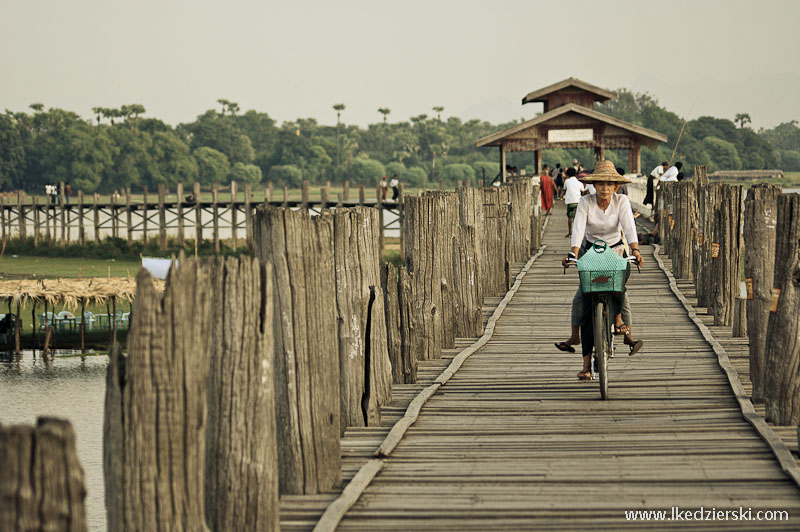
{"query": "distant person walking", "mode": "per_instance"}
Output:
(548, 190)
(559, 180)
(67, 191)
(573, 190)
(383, 188)
(395, 184)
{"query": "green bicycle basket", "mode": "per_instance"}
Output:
(601, 270)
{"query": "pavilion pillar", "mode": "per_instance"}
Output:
(599, 153)
(635, 159)
(503, 162)
(537, 157)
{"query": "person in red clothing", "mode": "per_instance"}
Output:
(548, 189)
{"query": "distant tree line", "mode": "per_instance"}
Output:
(122, 148)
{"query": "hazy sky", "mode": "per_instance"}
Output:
(477, 59)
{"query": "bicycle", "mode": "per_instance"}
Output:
(603, 275)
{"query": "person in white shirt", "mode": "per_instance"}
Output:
(573, 189)
(672, 173)
(659, 170)
(599, 217)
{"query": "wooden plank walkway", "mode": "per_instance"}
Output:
(515, 441)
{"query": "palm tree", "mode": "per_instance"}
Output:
(338, 107)
(742, 119)
(98, 111)
(438, 109)
(385, 112)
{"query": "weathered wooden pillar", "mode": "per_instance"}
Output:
(248, 212)
(81, 227)
(379, 206)
(179, 211)
(62, 212)
(198, 216)
(635, 159)
(96, 220)
(411, 341)
(285, 196)
(162, 218)
(323, 198)
(300, 248)
(215, 216)
(364, 367)
(41, 479)
(268, 193)
(21, 215)
(726, 285)
(739, 317)
(241, 483)
(339, 203)
(128, 216)
(401, 214)
(503, 162)
(346, 190)
(760, 219)
(112, 210)
(304, 194)
(361, 195)
(2, 218)
(234, 214)
(36, 224)
(155, 407)
(782, 390)
(394, 342)
(144, 214)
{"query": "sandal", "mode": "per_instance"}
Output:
(635, 347)
(564, 346)
(585, 375)
(621, 330)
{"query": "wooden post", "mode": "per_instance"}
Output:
(401, 220)
(21, 215)
(379, 205)
(365, 370)
(346, 190)
(503, 163)
(215, 216)
(179, 210)
(248, 212)
(41, 478)
(3, 219)
(391, 306)
(537, 161)
(18, 331)
(268, 193)
(760, 217)
(83, 325)
(739, 318)
(304, 194)
(144, 214)
(234, 209)
(63, 212)
(155, 428)
(46, 206)
(361, 195)
(783, 332)
(323, 195)
(96, 213)
(36, 224)
(285, 196)
(162, 218)
(198, 216)
(241, 484)
(635, 159)
(306, 356)
(409, 324)
(81, 227)
(339, 203)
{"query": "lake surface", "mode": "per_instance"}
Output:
(72, 388)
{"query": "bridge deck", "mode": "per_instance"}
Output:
(515, 441)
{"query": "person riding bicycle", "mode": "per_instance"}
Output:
(599, 217)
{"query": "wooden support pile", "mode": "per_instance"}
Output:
(305, 333)
(42, 485)
(782, 386)
(760, 220)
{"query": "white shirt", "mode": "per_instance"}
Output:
(670, 175)
(592, 223)
(574, 189)
(658, 171)
(590, 189)
(394, 182)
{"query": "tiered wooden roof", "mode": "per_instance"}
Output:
(571, 90)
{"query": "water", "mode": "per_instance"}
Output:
(72, 388)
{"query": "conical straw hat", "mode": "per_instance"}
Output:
(605, 171)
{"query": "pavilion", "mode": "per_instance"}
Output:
(570, 120)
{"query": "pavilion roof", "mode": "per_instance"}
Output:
(539, 95)
(70, 291)
(648, 136)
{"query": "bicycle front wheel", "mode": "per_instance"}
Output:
(601, 329)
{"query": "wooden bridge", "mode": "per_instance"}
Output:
(313, 388)
(514, 441)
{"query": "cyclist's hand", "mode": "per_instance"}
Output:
(639, 258)
(568, 259)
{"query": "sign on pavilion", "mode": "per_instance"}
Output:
(570, 120)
